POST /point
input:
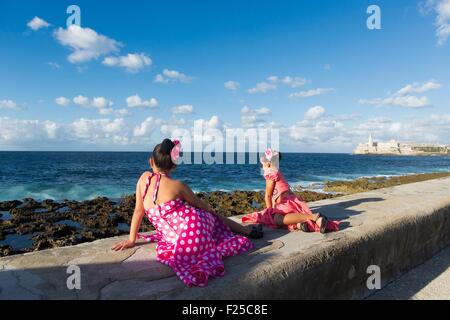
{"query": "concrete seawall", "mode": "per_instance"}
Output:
(395, 228)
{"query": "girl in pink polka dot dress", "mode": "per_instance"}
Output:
(283, 207)
(191, 238)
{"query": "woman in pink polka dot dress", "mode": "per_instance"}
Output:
(191, 238)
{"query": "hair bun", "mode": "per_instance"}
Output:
(167, 146)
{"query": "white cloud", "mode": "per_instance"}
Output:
(54, 65)
(37, 23)
(416, 88)
(114, 112)
(327, 67)
(210, 127)
(323, 133)
(260, 111)
(15, 130)
(183, 109)
(62, 101)
(231, 85)
(52, 129)
(315, 112)
(8, 104)
(251, 117)
(18, 133)
(146, 128)
(86, 44)
(273, 82)
(132, 62)
(293, 82)
(413, 130)
(442, 21)
(172, 76)
(177, 127)
(330, 134)
(320, 131)
(405, 98)
(159, 78)
(98, 130)
(81, 101)
(262, 87)
(399, 101)
(214, 122)
(137, 102)
(168, 128)
(311, 93)
(97, 102)
(81, 69)
(101, 102)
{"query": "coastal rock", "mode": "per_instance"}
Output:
(310, 196)
(28, 228)
(88, 236)
(373, 183)
(59, 231)
(233, 203)
(41, 242)
(5, 250)
(8, 205)
(50, 205)
(30, 204)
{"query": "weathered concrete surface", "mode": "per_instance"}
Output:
(396, 228)
(428, 281)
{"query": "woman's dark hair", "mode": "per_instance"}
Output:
(161, 155)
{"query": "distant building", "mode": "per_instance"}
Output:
(395, 147)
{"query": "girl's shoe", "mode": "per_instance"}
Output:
(256, 232)
(303, 226)
(323, 223)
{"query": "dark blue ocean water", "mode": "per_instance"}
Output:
(86, 175)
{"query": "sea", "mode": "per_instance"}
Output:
(87, 175)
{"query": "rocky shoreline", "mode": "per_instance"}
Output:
(29, 225)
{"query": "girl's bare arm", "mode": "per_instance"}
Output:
(270, 186)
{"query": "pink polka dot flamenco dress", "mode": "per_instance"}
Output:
(191, 241)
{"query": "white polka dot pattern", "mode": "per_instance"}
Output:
(191, 241)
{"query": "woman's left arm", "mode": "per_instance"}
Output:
(135, 221)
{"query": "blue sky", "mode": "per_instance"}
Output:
(325, 80)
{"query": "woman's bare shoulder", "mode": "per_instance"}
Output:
(144, 176)
(177, 183)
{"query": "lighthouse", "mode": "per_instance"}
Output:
(370, 140)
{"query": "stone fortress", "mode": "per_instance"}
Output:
(400, 148)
